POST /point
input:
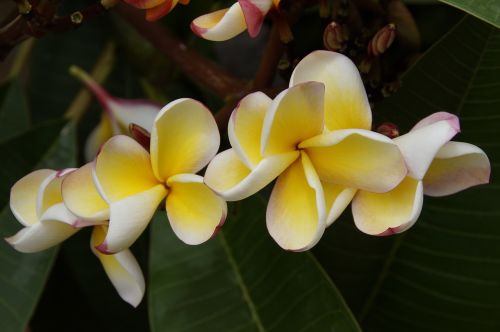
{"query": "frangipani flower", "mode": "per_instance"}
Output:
(82, 198)
(226, 23)
(156, 9)
(36, 202)
(118, 114)
(436, 167)
(315, 136)
(133, 182)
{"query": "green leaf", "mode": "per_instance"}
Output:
(239, 281)
(14, 114)
(444, 273)
(487, 10)
(23, 276)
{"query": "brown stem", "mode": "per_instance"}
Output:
(270, 59)
(199, 69)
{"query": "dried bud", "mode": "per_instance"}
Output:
(335, 37)
(365, 65)
(382, 40)
(76, 17)
(390, 88)
(324, 8)
(388, 129)
(141, 135)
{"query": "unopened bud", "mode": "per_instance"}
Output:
(388, 129)
(335, 37)
(24, 7)
(141, 135)
(365, 65)
(324, 8)
(382, 40)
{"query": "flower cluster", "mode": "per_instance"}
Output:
(315, 138)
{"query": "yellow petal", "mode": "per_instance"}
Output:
(220, 25)
(346, 103)
(457, 166)
(121, 268)
(296, 114)
(145, 4)
(184, 139)
(357, 159)
(81, 197)
(98, 137)
(337, 198)
(390, 212)
(129, 217)
(24, 196)
(195, 212)
(421, 144)
(41, 236)
(123, 168)
(296, 215)
(233, 180)
(245, 127)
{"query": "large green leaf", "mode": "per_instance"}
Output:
(487, 10)
(23, 276)
(14, 114)
(444, 273)
(239, 281)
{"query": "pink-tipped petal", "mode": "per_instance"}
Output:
(457, 166)
(122, 270)
(420, 145)
(220, 25)
(390, 212)
(254, 12)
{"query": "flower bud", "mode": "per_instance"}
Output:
(382, 40)
(388, 129)
(335, 37)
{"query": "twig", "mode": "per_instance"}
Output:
(199, 69)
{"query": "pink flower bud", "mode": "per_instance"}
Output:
(388, 129)
(382, 40)
(335, 36)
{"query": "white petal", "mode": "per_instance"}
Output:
(221, 25)
(40, 236)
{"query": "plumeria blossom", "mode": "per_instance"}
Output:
(227, 23)
(156, 9)
(118, 114)
(315, 138)
(133, 182)
(81, 197)
(437, 167)
(37, 202)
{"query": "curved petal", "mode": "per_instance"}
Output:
(357, 159)
(81, 197)
(254, 12)
(129, 217)
(155, 13)
(390, 212)
(346, 103)
(421, 144)
(121, 268)
(296, 214)
(220, 25)
(49, 192)
(296, 114)
(60, 213)
(245, 127)
(40, 236)
(145, 4)
(195, 212)
(457, 166)
(233, 181)
(122, 168)
(24, 196)
(98, 137)
(337, 198)
(184, 139)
